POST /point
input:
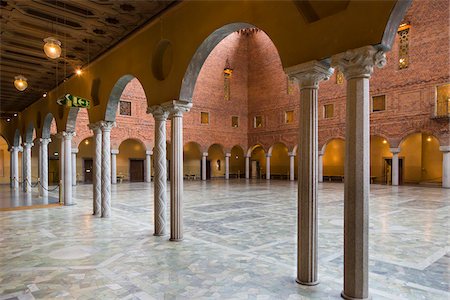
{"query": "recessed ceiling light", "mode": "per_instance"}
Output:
(44, 94)
(78, 71)
(7, 120)
(15, 114)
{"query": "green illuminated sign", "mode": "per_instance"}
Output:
(74, 101)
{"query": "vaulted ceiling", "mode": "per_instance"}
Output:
(86, 29)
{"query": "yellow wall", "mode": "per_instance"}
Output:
(431, 159)
(334, 158)
(237, 165)
(4, 162)
(191, 159)
(85, 151)
(260, 155)
(279, 162)
(379, 149)
(215, 153)
(128, 149)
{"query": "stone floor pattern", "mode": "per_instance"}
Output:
(240, 243)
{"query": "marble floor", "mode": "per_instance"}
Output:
(240, 243)
(10, 198)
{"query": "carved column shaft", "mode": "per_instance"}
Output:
(395, 174)
(43, 152)
(227, 165)
(247, 167)
(106, 168)
(357, 67)
(148, 166)
(68, 168)
(15, 167)
(97, 169)
(160, 173)
(268, 166)
(27, 167)
(204, 156)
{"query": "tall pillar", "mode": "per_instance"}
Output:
(160, 174)
(308, 75)
(176, 108)
(15, 167)
(114, 153)
(43, 153)
(395, 169)
(74, 166)
(97, 168)
(227, 165)
(68, 135)
(27, 167)
(320, 165)
(291, 166)
(445, 166)
(357, 67)
(268, 166)
(60, 135)
(148, 166)
(247, 167)
(204, 156)
(106, 168)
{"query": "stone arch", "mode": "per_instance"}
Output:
(250, 149)
(114, 96)
(17, 138)
(29, 132)
(131, 138)
(324, 146)
(390, 31)
(72, 119)
(200, 147)
(423, 131)
(46, 128)
(277, 143)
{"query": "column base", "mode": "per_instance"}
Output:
(159, 234)
(69, 204)
(307, 283)
(343, 295)
(175, 240)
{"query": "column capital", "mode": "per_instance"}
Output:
(148, 152)
(321, 152)
(359, 62)
(227, 154)
(205, 154)
(68, 135)
(95, 127)
(395, 150)
(45, 141)
(59, 135)
(74, 150)
(114, 151)
(444, 149)
(28, 145)
(310, 74)
(247, 156)
(177, 108)
(107, 125)
(14, 148)
(292, 153)
(158, 112)
(268, 155)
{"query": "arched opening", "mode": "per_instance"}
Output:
(257, 162)
(192, 159)
(85, 161)
(333, 160)
(380, 161)
(216, 158)
(237, 162)
(279, 161)
(422, 159)
(5, 167)
(114, 97)
(131, 160)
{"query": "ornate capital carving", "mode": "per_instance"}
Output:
(158, 112)
(359, 62)
(205, 154)
(395, 150)
(95, 127)
(227, 154)
(310, 74)
(177, 108)
(14, 148)
(292, 153)
(74, 150)
(28, 145)
(107, 125)
(68, 135)
(45, 141)
(148, 152)
(114, 151)
(444, 148)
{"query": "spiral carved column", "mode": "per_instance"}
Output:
(43, 152)
(106, 168)
(97, 169)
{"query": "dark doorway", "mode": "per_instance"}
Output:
(388, 171)
(136, 170)
(53, 171)
(88, 164)
(208, 169)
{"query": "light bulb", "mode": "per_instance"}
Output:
(78, 72)
(20, 82)
(52, 47)
(44, 95)
(7, 120)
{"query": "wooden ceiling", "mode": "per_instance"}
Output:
(86, 29)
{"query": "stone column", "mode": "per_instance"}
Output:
(27, 167)
(74, 166)
(247, 167)
(160, 164)
(15, 167)
(445, 166)
(320, 166)
(204, 156)
(357, 66)
(43, 175)
(291, 166)
(227, 165)
(60, 135)
(114, 153)
(395, 169)
(148, 166)
(268, 166)
(97, 168)
(176, 108)
(308, 75)
(106, 168)
(68, 167)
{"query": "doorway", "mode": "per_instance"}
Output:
(88, 164)
(53, 171)
(208, 169)
(136, 170)
(255, 171)
(387, 178)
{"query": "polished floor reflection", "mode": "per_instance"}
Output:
(240, 243)
(10, 199)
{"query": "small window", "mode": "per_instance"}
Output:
(235, 121)
(125, 108)
(443, 100)
(378, 103)
(403, 47)
(204, 117)
(289, 117)
(328, 111)
(257, 122)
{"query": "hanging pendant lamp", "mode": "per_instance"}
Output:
(20, 82)
(52, 47)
